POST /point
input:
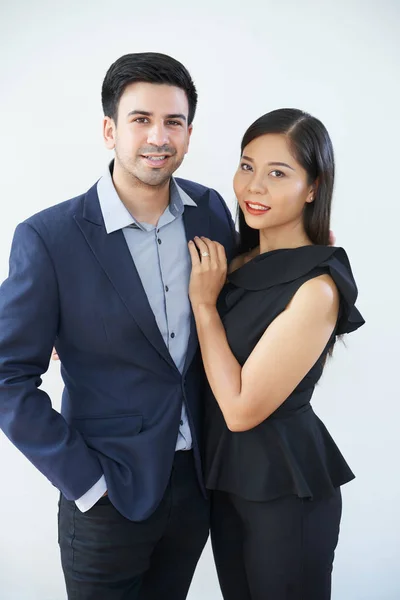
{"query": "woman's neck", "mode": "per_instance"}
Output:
(287, 236)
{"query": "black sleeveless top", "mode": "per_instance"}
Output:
(291, 452)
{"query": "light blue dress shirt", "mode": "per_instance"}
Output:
(162, 259)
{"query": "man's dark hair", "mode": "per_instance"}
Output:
(149, 67)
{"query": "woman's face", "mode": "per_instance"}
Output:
(270, 185)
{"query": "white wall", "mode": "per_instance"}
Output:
(338, 60)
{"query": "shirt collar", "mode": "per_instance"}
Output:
(116, 216)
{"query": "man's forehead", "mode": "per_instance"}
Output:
(154, 98)
(144, 88)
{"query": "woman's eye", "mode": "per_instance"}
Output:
(245, 167)
(277, 174)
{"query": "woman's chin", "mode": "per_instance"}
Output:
(255, 222)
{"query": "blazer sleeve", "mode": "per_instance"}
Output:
(29, 314)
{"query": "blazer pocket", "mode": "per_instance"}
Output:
(111, 426)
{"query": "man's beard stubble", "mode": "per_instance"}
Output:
(144, 177)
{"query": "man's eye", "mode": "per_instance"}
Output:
(174, 123)
(277, 174)
(141, 120)
(245, 167)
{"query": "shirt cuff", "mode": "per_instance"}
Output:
(89, 499)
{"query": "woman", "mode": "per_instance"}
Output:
(274, 469)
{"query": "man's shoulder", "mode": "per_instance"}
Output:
(56, 212)
(58, 215)
(196, 190)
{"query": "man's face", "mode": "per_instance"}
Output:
(151, 136)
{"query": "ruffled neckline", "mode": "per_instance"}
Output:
(283, 265)
(289, 264)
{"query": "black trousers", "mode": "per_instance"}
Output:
(277, 550)
(107, 557)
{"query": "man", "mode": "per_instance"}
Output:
(104, 277)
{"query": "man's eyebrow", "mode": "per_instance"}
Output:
(146, 113)
(270, 164)
(176, 116)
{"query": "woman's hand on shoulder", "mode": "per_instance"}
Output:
(209, 269)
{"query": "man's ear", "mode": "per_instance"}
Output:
(109, 132)
(190, 129)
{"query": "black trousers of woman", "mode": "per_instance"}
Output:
(277, 550)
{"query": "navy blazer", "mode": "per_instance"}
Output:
(73, 285)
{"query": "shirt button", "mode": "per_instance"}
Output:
(181, 422)
(159, 241)
(172, 335)
(166, 288)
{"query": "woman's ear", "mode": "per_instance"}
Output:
(313, 192)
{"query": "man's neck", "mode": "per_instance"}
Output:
(146, 203)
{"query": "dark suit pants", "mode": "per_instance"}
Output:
(107, 557)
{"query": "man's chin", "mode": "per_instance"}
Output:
(154, 179)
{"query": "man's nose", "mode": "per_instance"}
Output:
(158, 135)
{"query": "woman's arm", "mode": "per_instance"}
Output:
(288, 349)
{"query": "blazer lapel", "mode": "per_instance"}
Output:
(114, 257)
(197, 222)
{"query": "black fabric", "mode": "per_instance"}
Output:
(277, 550)
(291, 452)
(106, 556)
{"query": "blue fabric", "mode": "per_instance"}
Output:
(72, 284)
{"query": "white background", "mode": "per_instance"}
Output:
(340, 61)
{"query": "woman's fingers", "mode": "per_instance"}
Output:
(205, 254)
(194, 255)
(217, 252)
(221, 254)
(211, 253)
(212, 249)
